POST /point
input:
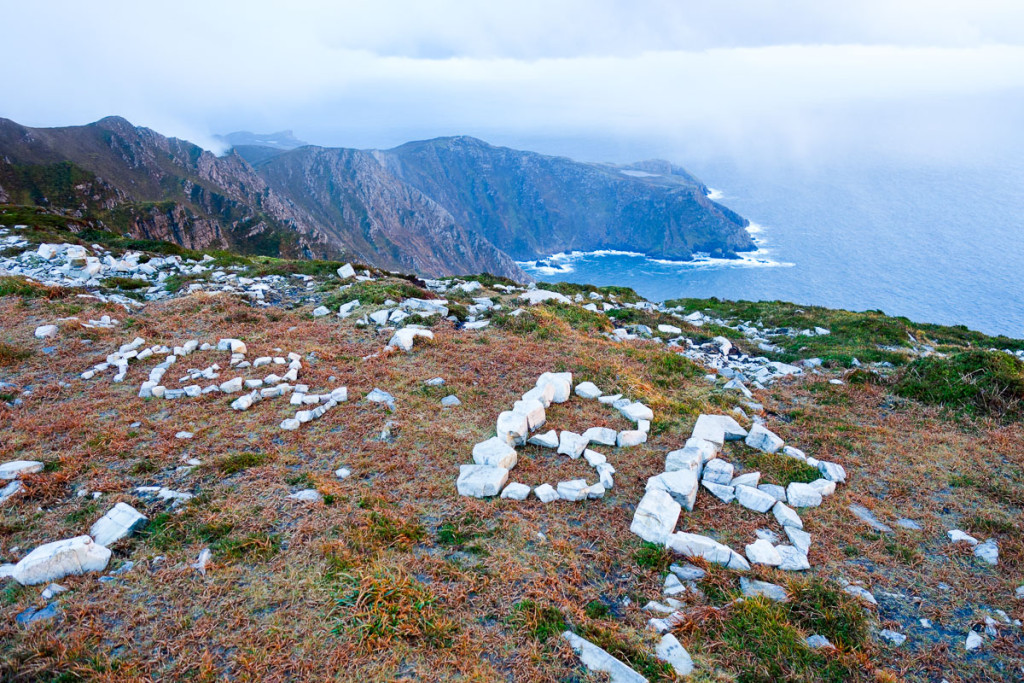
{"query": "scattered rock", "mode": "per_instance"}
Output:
(58, 559)
(868, 517)
(516, 491)
(763, 439)
(450, 401)
(772, 591)
(306, 496)
(32, 615)
(860, 592)
(817, 642)
(973, 641)
(16, 468)
(46, 331)
(597, 660)
(120, 522)
(656, 516)
(802, 495)
(988, 551)
(481, 481)
(893, 637)
(671, 650)
(587, 390)
(763, 552)
(955, 535)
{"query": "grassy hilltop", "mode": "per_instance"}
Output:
(392, 575)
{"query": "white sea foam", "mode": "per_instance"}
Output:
(563, 262)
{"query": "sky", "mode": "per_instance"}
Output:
(599, 79)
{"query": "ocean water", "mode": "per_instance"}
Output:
(935, 244)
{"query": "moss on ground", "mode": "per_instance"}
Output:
(979, 383)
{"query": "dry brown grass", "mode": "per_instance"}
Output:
(270, 615)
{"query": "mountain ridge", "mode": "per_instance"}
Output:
(438, 207)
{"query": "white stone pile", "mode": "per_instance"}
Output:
(267, 387)
(495, 457)
(698, 464)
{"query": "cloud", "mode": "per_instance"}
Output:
(794, 74)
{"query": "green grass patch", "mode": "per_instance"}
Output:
(580, 319)
(978, 383)
(259, 546)
(775, 468)
(540, 621)
(12, 285)
(818, 606)
(627, 649)
(377, 292)
(653, 556)
(236, 462)
(12, 355)
(571, 289)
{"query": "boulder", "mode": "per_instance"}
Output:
(656, 516)
(684, 459)
(718, 471)
(747, 479)
(636, 412)
(802, 495)
(799, 538)
(786, 516)
(46, 331)
(718, 429)
(545, 393)
(346, 271)
(534, 412)
(403, 338)
(573, 490)
(513, 428)
(602, 436)
(572, 444)
(726, 494)
(670, 650)
(561, 382)
(764, 439)
(320, 311)
(14, 469)
(53, 561)
(773, 591)
(773, 490)
(763, 552)
(694, 545)
(546, 493)
(120, 522)
(630, 438)
(516, 491)
(681, 485)
(546, 440)
(495, 452)
(597, 660)
(306, 496)
(480, 481)
(753, 499)
(587, 390)
(793, 560)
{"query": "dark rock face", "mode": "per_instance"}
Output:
(441, 207)
(531, 205)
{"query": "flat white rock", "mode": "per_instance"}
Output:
(670, 650)
(495, 452)
(516, 491)
(120, 521)
(656, 516)
(587, 390)
(597, 660)
(16, 468)
(481, 481)
(53, 561)
(764, 439)
(763, 552)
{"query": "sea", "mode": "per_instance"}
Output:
(935, 243)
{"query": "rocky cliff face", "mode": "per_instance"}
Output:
(531, 205)
(377, 217)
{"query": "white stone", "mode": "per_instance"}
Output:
(14, 469)
(495, 452)
(572, 444)
(538, 296)
(860, 592)
(546, 493)
(602, 436)
(973, 641)
(306, 496)
(988, 551)
(636, 412)
(516, 491)
(893, 637)
(718, 471)
(670, 650)
(763, 439)
(656, 516)
(596, 659)
(694, 545)
(718, 429)
(594, 458)
(793, 560)
(681, 485)
(802, 495)
(832, 471)
(546, 440)
(773, 490)
(587, 390)
(630, 438)
(763, 552)
(346, 271)
(747, 479)
(561, 382)
(46, 331)
(669, 329)
(320, 311)
(291, 424)
(753, 499)
(53, 561)
(752, 588)
(955, 535)
(343, 473)
(824, 487)
(512, 427)
(573, 490)
(184, 436)
(786, 516)
(726, 494)
(481, 481)
(403, 338)
(120, 522)
(685, 459)
(794, 453)
(534, 412)
(545, 393)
